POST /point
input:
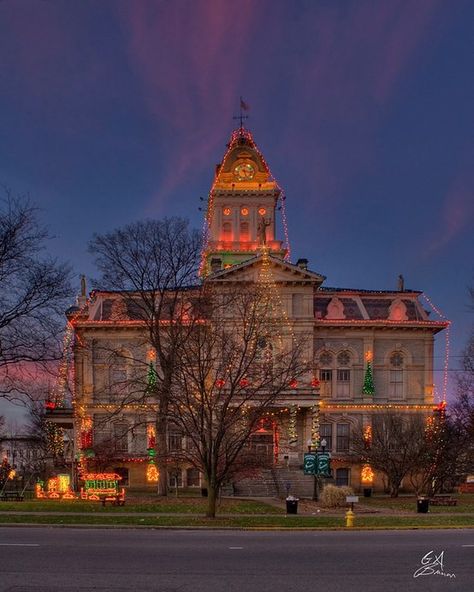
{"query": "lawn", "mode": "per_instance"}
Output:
(407, 503)
(170, 505)
(265, 522)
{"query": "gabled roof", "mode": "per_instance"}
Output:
(286, 272)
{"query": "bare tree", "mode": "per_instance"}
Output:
(153, 264)
(441, 460)
(396, 446)
(234, 366)
(463, 406)
(34, 293)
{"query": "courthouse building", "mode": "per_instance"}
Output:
(372, 350)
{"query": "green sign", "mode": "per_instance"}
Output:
(323, 464)
(309, 463)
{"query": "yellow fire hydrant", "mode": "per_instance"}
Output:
(349, 518)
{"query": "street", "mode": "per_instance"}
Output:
(119, 560)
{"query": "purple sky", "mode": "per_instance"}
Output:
(112, 111)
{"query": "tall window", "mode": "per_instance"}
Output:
(263, 360)
(395, 387)
(297, 304)
(343, 375)
(118, 379)
(175, 478)
(244, 232)
(342, 477)
(193, 477)
(325, 381)
(121, 436)
(342, 443)
(325, 432)
(175, 441)
(119, 374)
(227, 231)
(326, 360)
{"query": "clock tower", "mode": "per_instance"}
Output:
(240, 218)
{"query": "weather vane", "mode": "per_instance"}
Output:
(243, 107)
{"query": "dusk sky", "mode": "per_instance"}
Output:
(113, 111)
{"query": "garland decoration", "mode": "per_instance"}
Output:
(315, 435)
(292, 432)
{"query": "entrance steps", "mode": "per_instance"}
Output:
(274, 483)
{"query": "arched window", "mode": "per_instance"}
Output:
(396, 375)
(343, 375)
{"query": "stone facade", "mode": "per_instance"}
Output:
(345, 328)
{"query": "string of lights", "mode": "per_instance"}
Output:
(237, 136)
(447, 343)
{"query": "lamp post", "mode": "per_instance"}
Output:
(317, 477)
(309, 442)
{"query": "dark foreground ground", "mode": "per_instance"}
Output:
(123, 560)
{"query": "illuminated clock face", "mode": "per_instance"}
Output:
(244, 171)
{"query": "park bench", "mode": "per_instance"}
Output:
(443, 500)
(115, 500)
(12, 496)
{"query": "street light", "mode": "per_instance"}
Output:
(309, 442)
(323, 444)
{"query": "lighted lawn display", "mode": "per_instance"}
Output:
(58, 487)
(102, 487)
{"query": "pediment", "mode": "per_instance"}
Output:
(281, 272)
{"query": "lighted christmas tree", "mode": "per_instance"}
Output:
(368, 388)
(152, 378)
(55, 439)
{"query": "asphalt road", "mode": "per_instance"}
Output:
(119, 560)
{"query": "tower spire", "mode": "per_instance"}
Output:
(243, 107)
(241, 211)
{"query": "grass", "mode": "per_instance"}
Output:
(157, 505)
(415, 521)
(408, 503)
(189, 512)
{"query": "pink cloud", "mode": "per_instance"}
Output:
(457, 214)
(197, 84)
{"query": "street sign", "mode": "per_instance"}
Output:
(352, 499)
(323, 464)
(309, 463)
